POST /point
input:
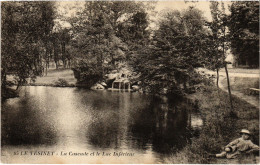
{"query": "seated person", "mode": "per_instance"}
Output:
(239, 146)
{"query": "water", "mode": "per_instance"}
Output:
(93, 126)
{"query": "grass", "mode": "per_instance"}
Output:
(54, 75)
(219, 128)
(242, 84)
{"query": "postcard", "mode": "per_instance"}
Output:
(130, 82)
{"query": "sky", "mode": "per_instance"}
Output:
(69, 8)
(180, 5)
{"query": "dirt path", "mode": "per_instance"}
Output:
(233, 73)
(253, 100)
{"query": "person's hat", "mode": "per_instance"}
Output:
(245, 131)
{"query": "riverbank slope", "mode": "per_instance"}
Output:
(219, 128)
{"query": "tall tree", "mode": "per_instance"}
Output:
(97, 32)
(176, 49)
(64, 38)
(217, 39)
(244, 30)
(136, 35)
(54, 39)
(25, 29)
(220, 41)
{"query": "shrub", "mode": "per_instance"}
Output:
(61, 83)
(7, 93)
(88, 73)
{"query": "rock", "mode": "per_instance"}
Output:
(104, 84)
(97, 87)
(135, 87)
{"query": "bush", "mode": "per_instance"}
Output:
(7, 93)
(87, 73)
(61, 83)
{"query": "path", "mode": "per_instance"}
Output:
(233, 73)
(253, 100)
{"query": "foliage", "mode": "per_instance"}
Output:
(220, 42)
(100, 34)
(87, 73)
(64, 39)
(25, 29)
(7, 93)
(176, 49)
(61, 83)
(244, 30)
(217, 41)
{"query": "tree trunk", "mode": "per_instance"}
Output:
(229, 92)
(69, 63)
(46, 61)
(35, 66)
(184, 85)
(46, 68)
(49, 57)
(64, 63)
(3, 78)
(56, 62)
(63, 49)
(217, 77)
(19, 84)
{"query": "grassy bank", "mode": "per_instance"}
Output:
(57, 77)
(242, 85)
(219, 129)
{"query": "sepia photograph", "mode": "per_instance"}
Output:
(130, 82)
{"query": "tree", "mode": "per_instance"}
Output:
(244, 30)
(176, 49)
(135, 34)
(97, 32)
(220, 42)
(9, 30)
(64, 38)
(54, 39)
(217, 39)
(25, 29)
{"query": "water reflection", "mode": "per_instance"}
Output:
(162, 125)
(69, 118)
(23, 122)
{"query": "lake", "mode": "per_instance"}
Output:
(76, 125)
